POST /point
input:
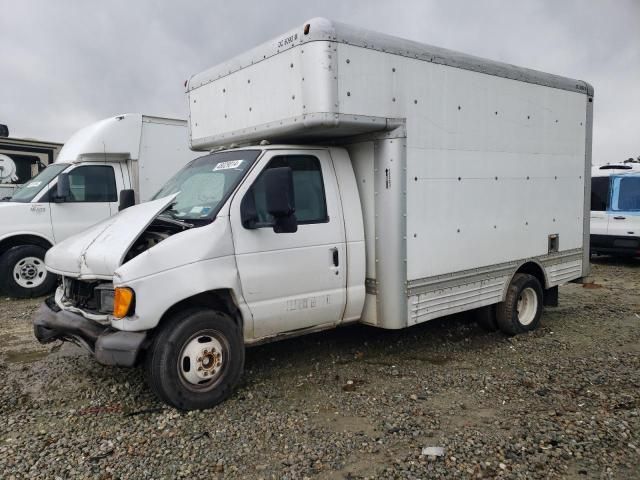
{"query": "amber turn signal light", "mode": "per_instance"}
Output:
(122, 302)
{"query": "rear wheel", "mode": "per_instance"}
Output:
(522, 308)
(23, 272)
(196, 359)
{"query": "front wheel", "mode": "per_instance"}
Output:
(522, 308)
(23, 272)
(196, 359)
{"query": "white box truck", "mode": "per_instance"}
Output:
(375, 180)
(128, 153)
(615, 209)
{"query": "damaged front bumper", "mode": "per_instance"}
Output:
(109, 346)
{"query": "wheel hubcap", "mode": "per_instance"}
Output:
(29, 272)
(202, 360)
(527, 306)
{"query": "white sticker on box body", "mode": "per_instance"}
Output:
(228, 165)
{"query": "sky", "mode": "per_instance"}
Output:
(66, 64)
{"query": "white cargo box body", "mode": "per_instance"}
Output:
(154, 148)
(164, 149)
(467, 168)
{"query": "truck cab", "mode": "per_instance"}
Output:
(250, 215)
(97, 164)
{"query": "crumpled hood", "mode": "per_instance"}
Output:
(99, 250)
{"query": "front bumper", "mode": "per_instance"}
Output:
(109, 346)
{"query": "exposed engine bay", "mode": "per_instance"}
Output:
(160, 229)
(97, 297)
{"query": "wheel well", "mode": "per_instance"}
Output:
(221, 300)
(536, 270)
(19, 240)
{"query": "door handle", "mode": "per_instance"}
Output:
(619, 217)
(336, 257)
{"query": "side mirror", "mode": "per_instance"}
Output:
(127, 199)
(63, 188)
(248, 213)
(280, 199)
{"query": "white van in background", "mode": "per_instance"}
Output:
(615, 209)
(100, 165)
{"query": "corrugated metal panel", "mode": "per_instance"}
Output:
(447, 301)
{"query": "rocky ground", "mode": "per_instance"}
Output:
(352, 403)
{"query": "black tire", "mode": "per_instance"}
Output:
(486, 318)
(509, 320)
(42, 281)
(168, 370)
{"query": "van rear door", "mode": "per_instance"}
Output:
(624, 218)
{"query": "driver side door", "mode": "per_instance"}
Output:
(292, 281)
(94, 197)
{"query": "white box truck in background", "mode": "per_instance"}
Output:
(128, 153)
(378, 180)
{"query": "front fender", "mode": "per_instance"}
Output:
(24, 237)
(156, 294)
(25, 219)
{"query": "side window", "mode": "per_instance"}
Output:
(308, 190)
(599, 194)
(629, 196)
(93, 183)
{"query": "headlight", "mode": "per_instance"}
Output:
(106, 301)
(123, 302)
(105, 294)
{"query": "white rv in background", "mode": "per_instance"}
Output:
(373, 180)
(21, 159)
(128, 153)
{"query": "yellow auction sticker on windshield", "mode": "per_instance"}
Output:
(228, 165)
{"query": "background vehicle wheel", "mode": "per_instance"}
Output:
(196, 359)
(486, 318)
(522, 308)
(23, 274)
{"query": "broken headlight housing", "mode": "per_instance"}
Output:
(105, 297)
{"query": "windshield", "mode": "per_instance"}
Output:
(204, 185)
(29, 190)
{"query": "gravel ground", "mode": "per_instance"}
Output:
(357, 402)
